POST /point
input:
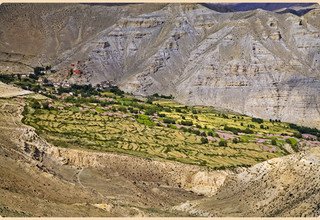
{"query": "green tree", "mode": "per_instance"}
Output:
(36, 105)
(223, 143)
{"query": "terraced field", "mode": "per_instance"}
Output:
(160, 129)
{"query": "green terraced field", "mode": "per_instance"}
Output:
(159, 128)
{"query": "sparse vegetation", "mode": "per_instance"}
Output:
(204, 140)
(111, 120)
(223, 143)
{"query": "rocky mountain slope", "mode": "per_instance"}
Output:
(261, 63)
(285, 186)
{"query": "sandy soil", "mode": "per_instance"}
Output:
(7, 91)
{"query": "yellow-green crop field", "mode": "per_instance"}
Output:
(159, 129)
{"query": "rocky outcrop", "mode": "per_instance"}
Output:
(192, 178)
(285, 186)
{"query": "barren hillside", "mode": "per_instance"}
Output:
(285, 186)
(260, 63)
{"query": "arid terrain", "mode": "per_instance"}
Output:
(261, 63)
(168, 110)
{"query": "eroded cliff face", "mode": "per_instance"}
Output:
(285, 186)
(170, 174)
(260, 63)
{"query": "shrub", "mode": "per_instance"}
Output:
(150, 111)
(169, 121)
(156, 95)
(144, 119)
(115, 90)
(36, 105)
(237, 130)
(6, 78)
(172, 126)
(187, 123)
(225, 116)
(235, 140)
(45, 105)
(184, 129)
(223, 143)
(204, 140)
(33, 77)
(274, 142)
(210, 133)
(197, 132)
(204, 134)
(194, 111)
(258, 120)
(162, 115)
(297, 134)
(37, 70)
(150, 99)
(122, 109)
(135, 111)
(248, 131)
(232, 129)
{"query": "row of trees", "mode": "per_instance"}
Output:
(305, 130)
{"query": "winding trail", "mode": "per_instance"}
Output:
(79, 182)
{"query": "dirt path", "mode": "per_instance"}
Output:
(78, 174)
(78, 177)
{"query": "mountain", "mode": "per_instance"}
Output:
(78, 155)
(234, 7)
(260, 63)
